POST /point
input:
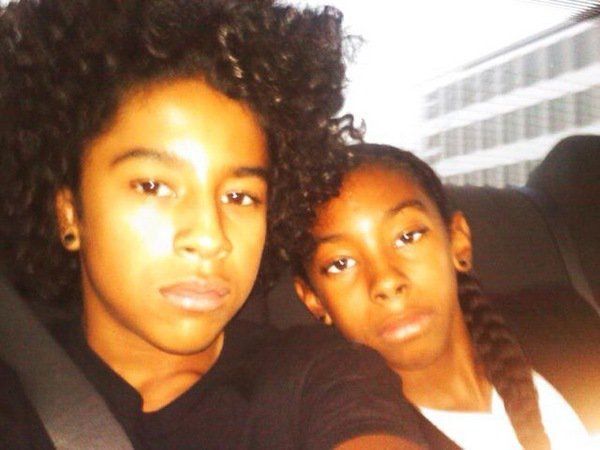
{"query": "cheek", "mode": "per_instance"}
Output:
(350, 309)
(247, 236)
(121, 233)
(432, 269)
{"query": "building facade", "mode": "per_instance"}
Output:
(491, 122)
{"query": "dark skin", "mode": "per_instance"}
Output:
(384, 273)
(191, 216)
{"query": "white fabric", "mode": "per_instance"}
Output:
(493, 430)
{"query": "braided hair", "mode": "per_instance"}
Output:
(495, 345)
(67, 64)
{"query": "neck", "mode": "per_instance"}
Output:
(455, 381)
(158, 375)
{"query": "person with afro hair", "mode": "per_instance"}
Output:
(151, 151)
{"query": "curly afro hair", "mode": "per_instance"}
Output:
(66, 64)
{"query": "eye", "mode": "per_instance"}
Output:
(153, 188)
(408, 237)
(340, 265)
(239, 198)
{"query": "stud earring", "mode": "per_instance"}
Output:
(464, 264)
(324, 319)
(69, 239)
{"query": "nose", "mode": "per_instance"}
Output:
(389, 283)
(200, 233)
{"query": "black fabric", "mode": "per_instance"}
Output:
(72, 413)
(20, 428)
(209, 415)
(303, 388)
(570, 175)
(331, 398)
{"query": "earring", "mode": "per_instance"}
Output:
(464, 264)
(325, 319)
(69, 239)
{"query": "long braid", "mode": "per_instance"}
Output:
(504, 361)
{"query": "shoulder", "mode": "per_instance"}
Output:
(318, 390)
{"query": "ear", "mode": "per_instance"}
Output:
(460, 239)
(66, 218)
(311, 301)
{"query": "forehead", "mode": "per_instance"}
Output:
(371, 191)
(184, 116)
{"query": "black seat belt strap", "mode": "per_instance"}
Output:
(565, 244)
(74, 414)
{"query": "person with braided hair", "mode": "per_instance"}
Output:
(148, 150)
(387, 263)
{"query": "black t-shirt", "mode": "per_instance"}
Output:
(303, 388)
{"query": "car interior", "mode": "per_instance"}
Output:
(536, 251)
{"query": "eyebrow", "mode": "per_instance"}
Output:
(411, 203)
(147, 153)
(173, 160)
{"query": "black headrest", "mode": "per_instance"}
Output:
(570, 173)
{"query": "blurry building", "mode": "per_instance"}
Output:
(490, 122)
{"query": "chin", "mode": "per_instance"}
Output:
(410, 359)
(188, 340)
(187, 346)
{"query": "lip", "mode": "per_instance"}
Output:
(406, 326)
(201, 295)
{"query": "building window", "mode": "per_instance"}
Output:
(558, 114)
(450, 98)
(494, 177)
(476, 178)
(432, 105)
(487, 85)
(489, 133)
(468, 91)
(532, 67)
(510, 127)
(587, 104)
(470, 138)
(516, 174)
(451, 142)
(557, 59)
(508, 77)
(434, 141)
(584, 48)
(534, 121)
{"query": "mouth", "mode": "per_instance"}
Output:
(406, 326)
(200, 295)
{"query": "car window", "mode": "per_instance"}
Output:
(481, 90)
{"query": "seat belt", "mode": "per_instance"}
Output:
(73, 413)
(564, 241)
